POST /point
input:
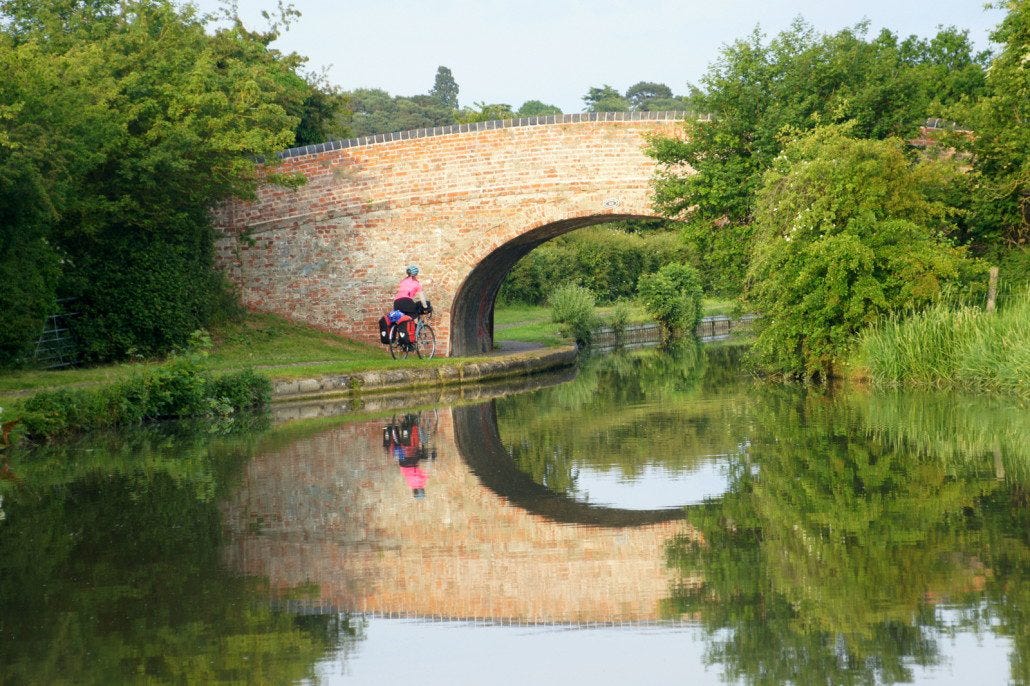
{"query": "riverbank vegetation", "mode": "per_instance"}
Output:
(178, 389)
(820, 200)
(945, 346)
(844, 233)
(121, 125)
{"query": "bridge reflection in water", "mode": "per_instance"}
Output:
(333, 516)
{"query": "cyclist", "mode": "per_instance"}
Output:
(409, 289)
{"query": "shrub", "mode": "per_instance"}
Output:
(178, 389)
(605, 259)
(618, 317)
(242, 390)
(672, 295)
(572, 307)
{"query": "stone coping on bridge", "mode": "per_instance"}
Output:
(417, 376)
(583, 117)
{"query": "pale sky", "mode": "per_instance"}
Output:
(510, 52)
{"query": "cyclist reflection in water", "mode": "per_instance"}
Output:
(405, 443)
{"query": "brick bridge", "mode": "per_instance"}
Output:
(464, 202)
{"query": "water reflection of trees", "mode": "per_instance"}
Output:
(111, 571)
(846, 526)
(625, 412)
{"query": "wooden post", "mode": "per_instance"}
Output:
(992, 289)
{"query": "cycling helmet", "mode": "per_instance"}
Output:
(412, 270)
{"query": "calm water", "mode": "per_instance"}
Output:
(659, 518)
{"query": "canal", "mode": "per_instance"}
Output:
(653, 517)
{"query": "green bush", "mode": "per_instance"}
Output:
(160, 291)
(606, 259)
(243, 389)
(672, 295)
(572, 308)
(178, 389)
(617, 319)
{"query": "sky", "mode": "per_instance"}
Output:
(511, 52)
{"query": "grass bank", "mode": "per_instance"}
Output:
(268, 344)
(232, 372)
(948, 347)
(532, 323)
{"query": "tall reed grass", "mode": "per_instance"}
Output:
(959, 347)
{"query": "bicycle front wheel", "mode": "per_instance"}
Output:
(425, 341)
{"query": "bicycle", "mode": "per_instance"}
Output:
(425, 340)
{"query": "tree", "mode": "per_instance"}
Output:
(535, 108)
(844, 234)
(47, 124)
(161, 120)
(796, 81)
(640, 93)
(321, 113)
(482, 111)
(375, 111)
(1000, 143)
(605, 99)
(445, 88)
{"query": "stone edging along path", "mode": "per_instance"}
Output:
(415, 376)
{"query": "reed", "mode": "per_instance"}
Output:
(947, 346)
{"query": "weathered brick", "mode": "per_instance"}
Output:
(330, 253)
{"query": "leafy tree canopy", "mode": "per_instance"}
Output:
(482, 111)
(844, 233)
(605, 99)
(1000, 145)
(128, 120)
(445, 88)
(644, 91)
(535, 108)
(800, 79)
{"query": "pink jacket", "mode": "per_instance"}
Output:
(408, 288)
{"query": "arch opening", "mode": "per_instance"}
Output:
(472, 311)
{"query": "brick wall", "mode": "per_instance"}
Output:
(464, 203)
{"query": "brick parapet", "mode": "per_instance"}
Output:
(473, 127)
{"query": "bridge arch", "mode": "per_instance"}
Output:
(471, 312)
(464, 202)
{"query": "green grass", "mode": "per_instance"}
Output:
(532, 323)
(269, 344)
(943, 347)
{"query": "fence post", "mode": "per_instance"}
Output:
(992, 289)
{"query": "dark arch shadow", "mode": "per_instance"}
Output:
(479, 443)
(472, 312)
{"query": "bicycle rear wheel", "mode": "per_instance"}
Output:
(398, 350)
(425, 341)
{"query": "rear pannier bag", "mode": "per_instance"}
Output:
(404, 329)
(384, 330)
